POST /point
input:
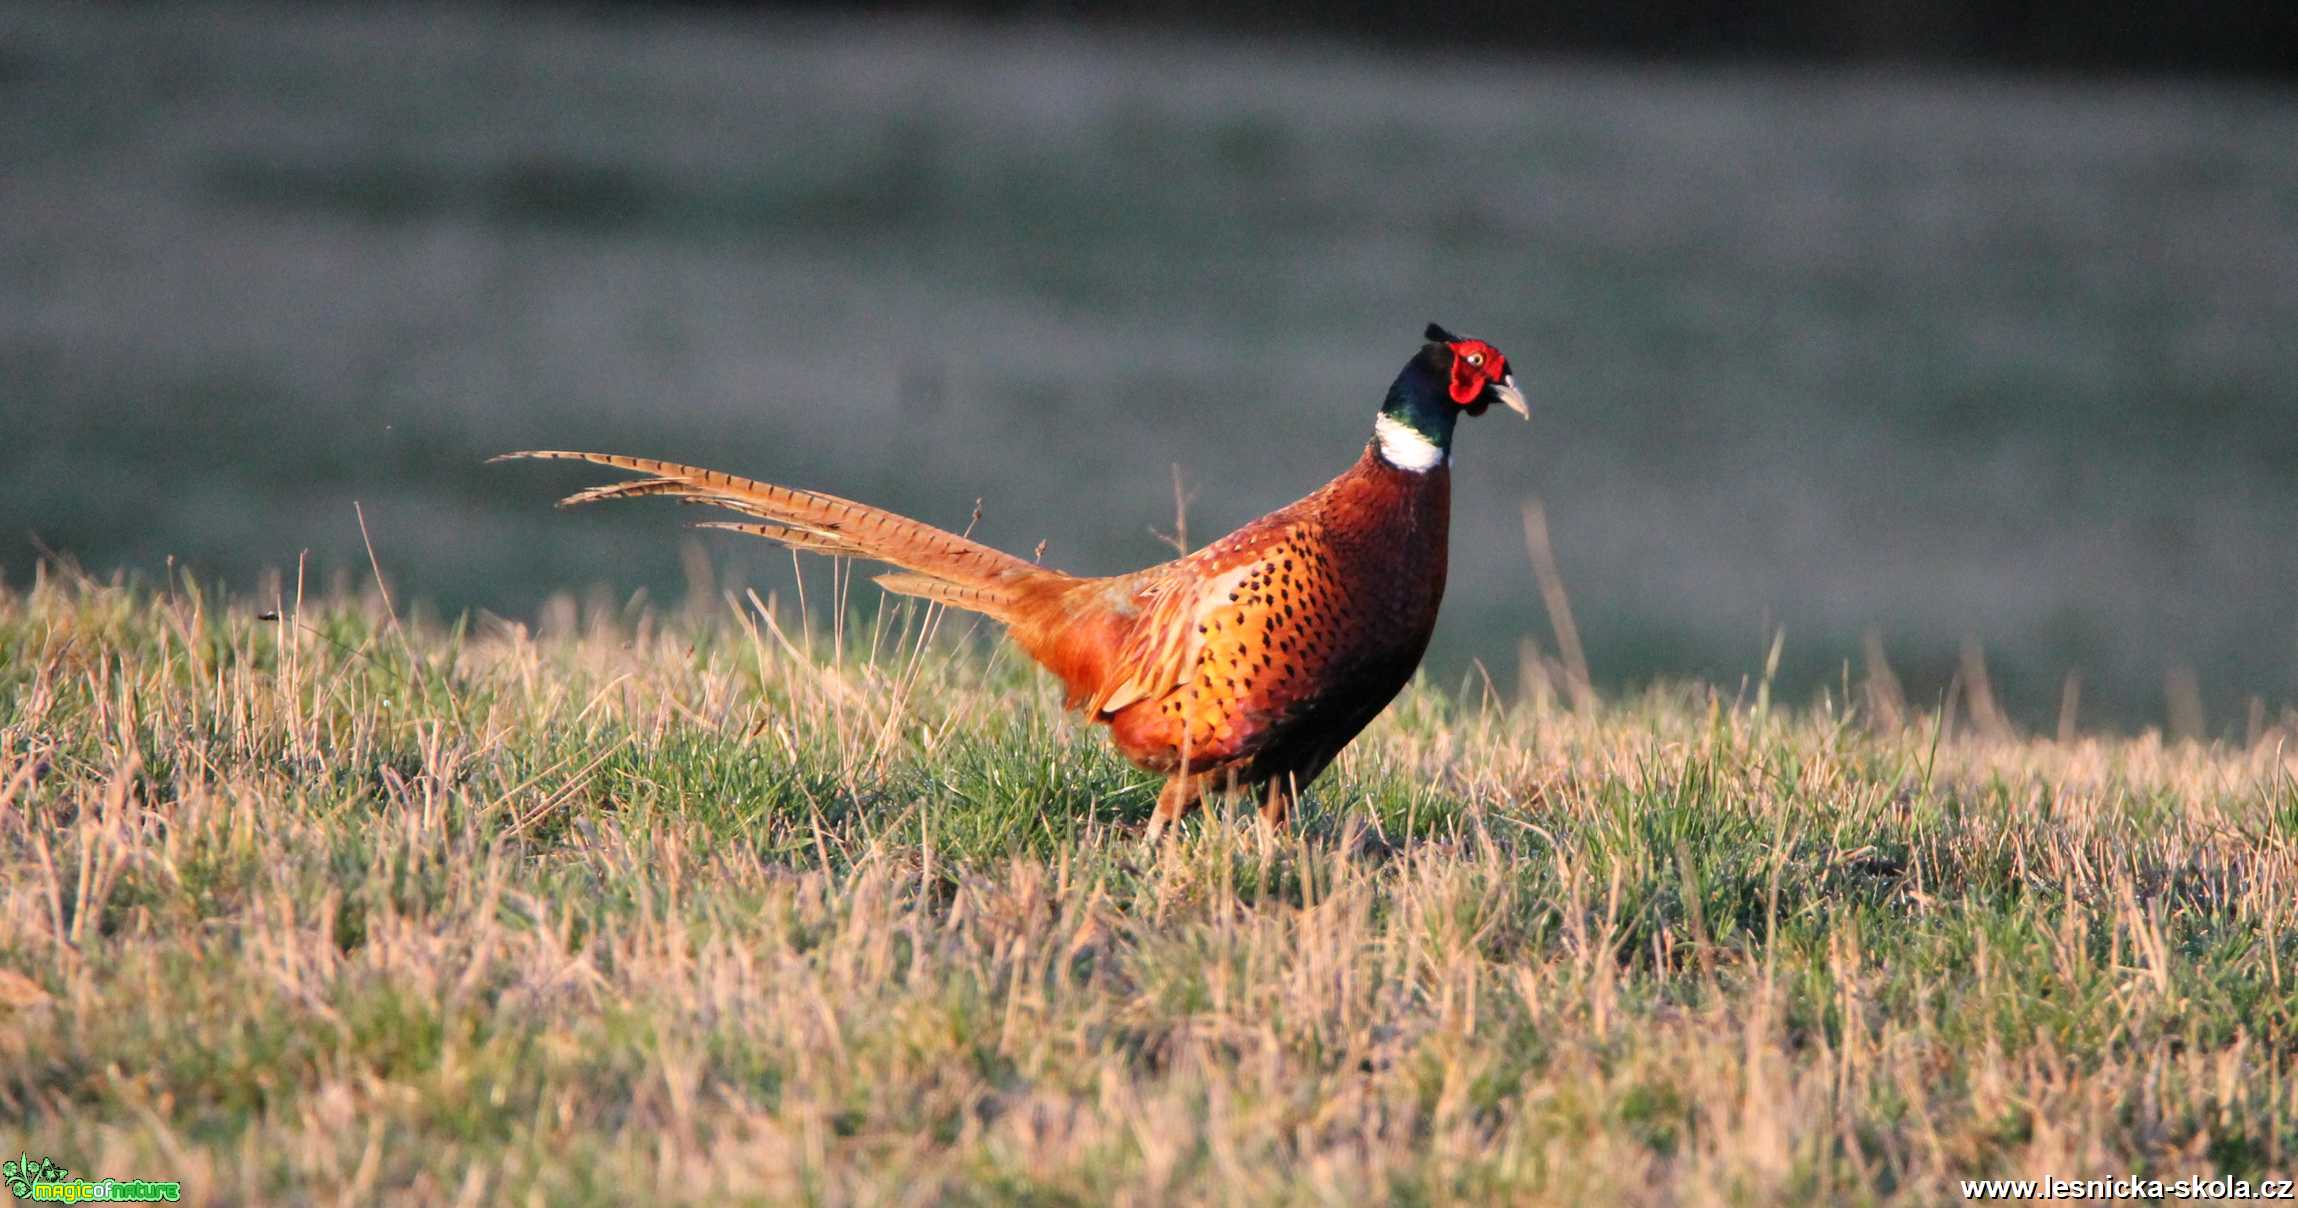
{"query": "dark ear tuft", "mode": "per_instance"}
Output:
(1437, 334)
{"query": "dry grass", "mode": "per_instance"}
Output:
(690, 907)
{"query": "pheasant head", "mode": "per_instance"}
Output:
(1450, 376)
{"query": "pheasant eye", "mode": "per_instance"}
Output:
(1475, 358)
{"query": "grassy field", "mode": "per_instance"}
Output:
(1939, 357)
(684, 905)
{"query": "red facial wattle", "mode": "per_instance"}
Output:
(1474, 365)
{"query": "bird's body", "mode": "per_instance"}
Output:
(1296, 631)
(1251, 661)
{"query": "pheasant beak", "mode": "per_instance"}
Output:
(1510, 397)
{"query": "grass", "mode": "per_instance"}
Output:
(692, 905)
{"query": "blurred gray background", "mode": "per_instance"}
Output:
(1944, 353)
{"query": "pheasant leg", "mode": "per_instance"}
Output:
(1277, 803)
(1180, 795)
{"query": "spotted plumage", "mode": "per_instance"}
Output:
(1252, 661)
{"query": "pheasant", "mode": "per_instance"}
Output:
(1251, 661)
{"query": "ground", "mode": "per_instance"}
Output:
(684, 905)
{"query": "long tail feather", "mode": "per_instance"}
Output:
(943, 566)
(975, 599)
(796, 538)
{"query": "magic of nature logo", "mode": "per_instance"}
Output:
(45, 1181)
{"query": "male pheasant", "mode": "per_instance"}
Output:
(1251, 661)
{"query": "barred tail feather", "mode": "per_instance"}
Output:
(796, 538)
(987, 600)
(942, 566)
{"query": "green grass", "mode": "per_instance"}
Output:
(698, 905)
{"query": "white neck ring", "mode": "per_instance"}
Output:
(1405, 448)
